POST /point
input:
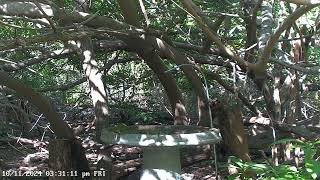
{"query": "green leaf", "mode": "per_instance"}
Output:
(283, 141)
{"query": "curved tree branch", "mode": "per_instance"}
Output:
(264, 57)
(61, 128)
(190, 7)
(244, 100)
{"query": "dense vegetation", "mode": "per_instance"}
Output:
(249, 67)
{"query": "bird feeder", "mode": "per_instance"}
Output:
(161, 145)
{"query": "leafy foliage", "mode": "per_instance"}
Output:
(310, 169)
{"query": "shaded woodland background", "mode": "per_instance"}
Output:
(70, 68)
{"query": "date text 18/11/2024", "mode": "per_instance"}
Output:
(12, 173)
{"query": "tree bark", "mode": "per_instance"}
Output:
(231, 128)
(59, 127)
(84, 48)
(97, 91)
(153, 60)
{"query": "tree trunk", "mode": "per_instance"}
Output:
(97, 91)
(168, 82)
(60, 158)
(59, 127)
(232, 129)
(147, 52)
(64, 159)
(90, 68)
(187, 67)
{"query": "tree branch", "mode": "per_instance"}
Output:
(244, 100)
(32, 61)
(304, 2)
(70, 85)
(189, 5)
(274, 38)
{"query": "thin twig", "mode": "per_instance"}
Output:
(143, 9)
(45, 15)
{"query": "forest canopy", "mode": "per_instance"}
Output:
(161, 62)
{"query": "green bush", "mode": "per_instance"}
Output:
(310, 169)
